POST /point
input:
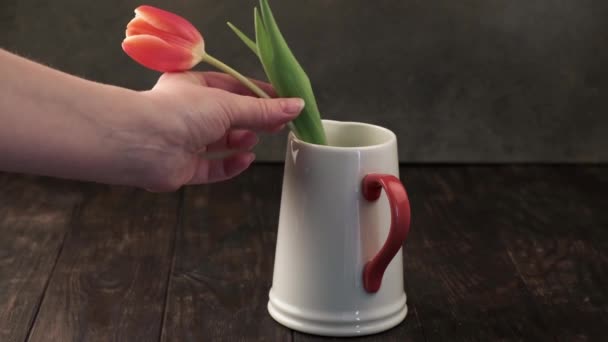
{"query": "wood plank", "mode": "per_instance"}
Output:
(496, 253)
(110, 280)
(557, 236)
(35, 214)
(224, 257)
(458, 273)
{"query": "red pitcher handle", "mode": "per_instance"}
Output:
(372, 186)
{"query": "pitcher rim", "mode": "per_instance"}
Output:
(392, 138)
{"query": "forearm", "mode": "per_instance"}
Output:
(59, 125)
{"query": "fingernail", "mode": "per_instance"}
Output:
(292, 106)
(250, 140)
(250, 158)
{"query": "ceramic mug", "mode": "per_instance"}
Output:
(344, 216)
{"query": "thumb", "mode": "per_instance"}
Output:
(258, 113)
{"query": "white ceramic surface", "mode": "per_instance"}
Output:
(328, 231)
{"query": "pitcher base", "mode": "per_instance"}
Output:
(337, 326)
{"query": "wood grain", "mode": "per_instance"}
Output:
(557, 236)
(35, 214)
(110, 280)
(458, 273)
(496, 253)
(224, 258)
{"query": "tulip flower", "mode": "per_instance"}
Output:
(166, 42)
(284, 72)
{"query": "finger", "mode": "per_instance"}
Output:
(255, 113)
(226, 82)
(277, 128)
(210, 171)
(217, 80)
(235, 139)
(181, 77)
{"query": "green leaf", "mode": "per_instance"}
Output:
(265, 52)
(286, 74)
(250, 43)
(275, 35)
(261, 37)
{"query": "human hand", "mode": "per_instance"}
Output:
(198, 114)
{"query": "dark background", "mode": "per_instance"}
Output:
(458, 81)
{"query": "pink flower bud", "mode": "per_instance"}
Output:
(163, 41)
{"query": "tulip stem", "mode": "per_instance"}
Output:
(244, 80)
(225, 68)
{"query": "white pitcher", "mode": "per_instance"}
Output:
(344, 216)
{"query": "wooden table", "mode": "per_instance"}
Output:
(495, 253)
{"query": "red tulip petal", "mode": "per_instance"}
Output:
(139, 26)
(169, 22)
(154, 53)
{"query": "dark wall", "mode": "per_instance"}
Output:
(472, 80)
